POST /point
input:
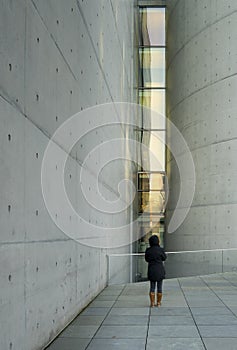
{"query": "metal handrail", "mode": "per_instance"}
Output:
(179, 252)
(186, 267)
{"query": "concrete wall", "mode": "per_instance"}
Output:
(201, 101)
(57, 57)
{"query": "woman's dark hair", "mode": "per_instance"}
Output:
(154, 240)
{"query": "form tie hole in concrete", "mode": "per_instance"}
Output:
(56, 263)
(10, 67)
(37, 97)
(10, 346)
(71, 92)
(56, 118)
(38, 40)
(37, 212)
(57, 21)
(37, 155)
(9, 208)
(9, 278)
(9, 137)
(37, 269)
(57, 69)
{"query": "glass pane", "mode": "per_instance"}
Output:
(155, 100)
(143, 198)
(151, 181)
(152, 202)
(143, 182)
(150, 222)
(152, 67)
(156, 202)
(152, 26)
(155, 142)
(157, 181)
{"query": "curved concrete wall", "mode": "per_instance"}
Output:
(201, 102)
(57, 58)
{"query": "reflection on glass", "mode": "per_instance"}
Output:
(150, 222)
(155, 100)
(143, 182)
(155, 141)
(157, 182)
(152, 202)
(152, 26)
(152, 67)
(151, 181)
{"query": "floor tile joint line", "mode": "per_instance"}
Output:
(191, 314)
(105, 317)
(201, 278)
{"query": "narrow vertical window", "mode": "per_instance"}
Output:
(152, 133)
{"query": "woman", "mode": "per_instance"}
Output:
(155, 255)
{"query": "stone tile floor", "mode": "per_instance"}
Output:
(197, 313)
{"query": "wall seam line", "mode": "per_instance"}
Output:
(195, 35)
(48, 136)
(200, 89)
(54, 41)
(94, 49)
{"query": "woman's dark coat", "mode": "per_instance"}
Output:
(155, 256)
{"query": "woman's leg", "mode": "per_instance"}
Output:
(152, 286)
(152, 293)
(159, 286)
(159, 292)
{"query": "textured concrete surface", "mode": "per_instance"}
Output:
(201, 89)
(57, 58)
(186, 320)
